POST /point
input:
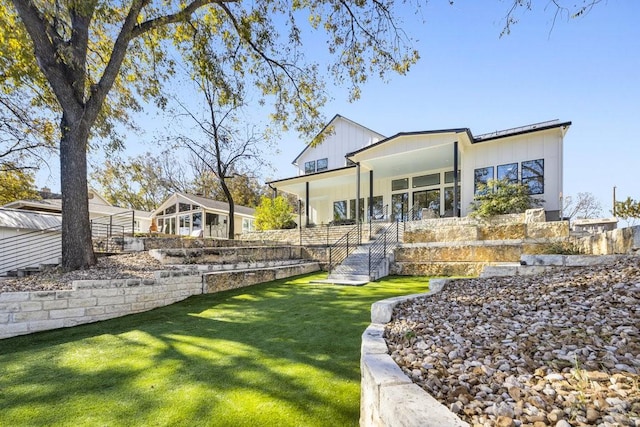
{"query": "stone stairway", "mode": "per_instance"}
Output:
(354, 270)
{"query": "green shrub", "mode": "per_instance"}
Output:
(560, 248)
(500, 197)
(274, 214)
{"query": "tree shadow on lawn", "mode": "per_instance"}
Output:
(282, 353)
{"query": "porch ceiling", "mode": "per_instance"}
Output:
(317, 181)
(410, 163)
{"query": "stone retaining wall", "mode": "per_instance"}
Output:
(388, 397)
(471, 230)
(226, 255)
(91, 301)
(619, 241)
(94, 300)
(221, 281)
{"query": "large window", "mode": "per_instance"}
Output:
(533, 175)
(429, 199)
(508, 172)
(184, 226)
(340, 210)
(247, 225)
(424, 180)
(481, 176)
(377, 208)
(448, 201)
(352, 209)
(310, 167)
(399, 206)
(197, 221)
(322, 165)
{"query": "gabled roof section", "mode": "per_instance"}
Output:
(308, 176)
(327, 126)
(418, 133)
(535, 127)
(205, 203)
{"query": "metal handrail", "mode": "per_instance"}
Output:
(30, 249)
(125, 220)
(341, 249)
(389, 239)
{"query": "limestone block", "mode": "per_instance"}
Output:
(373, 341)
(29, 316)
(436, 284)
(501, 231)
(547, 230)
(66, 313)
(14, 296)
(589, 260)
(45, 325)
(408, 405)
(42, 295)
(30, 306)
(555, 260)
(82, 302)
(54, 305)
(534, 215)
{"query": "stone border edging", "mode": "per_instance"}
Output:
(388, 396)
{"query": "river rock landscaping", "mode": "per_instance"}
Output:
(560, 349)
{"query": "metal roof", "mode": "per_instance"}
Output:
(14, 218)
(535, 127)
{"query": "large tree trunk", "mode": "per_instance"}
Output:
(231, 221)
(77, 247)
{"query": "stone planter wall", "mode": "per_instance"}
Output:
(91, 301)
(388, 397)
(94, 300)
(222, 281)
(226, 255)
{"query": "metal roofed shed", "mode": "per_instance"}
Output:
(28, 240)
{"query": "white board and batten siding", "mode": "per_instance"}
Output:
(545, 145)
(345, 137)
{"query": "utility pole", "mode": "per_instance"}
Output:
(614, 201)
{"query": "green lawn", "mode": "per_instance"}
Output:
(284, 353)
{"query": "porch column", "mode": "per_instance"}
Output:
(370, 195)
(456, 196)
(357, 193)
(275, 192)
(306, 203)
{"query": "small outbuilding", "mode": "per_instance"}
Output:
(190, 215)
(28, 239)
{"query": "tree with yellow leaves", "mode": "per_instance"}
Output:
(88, 63)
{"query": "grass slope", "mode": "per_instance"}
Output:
(284, 353)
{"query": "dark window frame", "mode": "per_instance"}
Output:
(483, 178)
(532, 178)
(325, 163)
(504, 172)
(310, 166)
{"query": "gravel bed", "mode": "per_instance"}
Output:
(559, 349)
(125, 266)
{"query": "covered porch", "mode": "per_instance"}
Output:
(394, 179)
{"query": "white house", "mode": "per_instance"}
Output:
(188, 214)
(357, 169)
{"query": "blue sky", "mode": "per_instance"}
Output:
(583, 70)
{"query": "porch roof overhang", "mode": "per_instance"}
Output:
(412, 152)
(325, 179)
